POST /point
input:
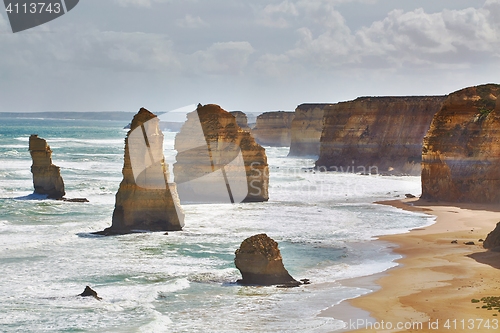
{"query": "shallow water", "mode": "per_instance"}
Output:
(183, 281)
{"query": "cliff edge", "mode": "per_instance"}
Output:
(461, 151)
(376, 134)
(46, 176)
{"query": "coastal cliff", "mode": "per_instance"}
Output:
(217, 161)
(461, 152)
(145, 201)
(274, 128)
(306, 129)
(46, 176)
(376, 134)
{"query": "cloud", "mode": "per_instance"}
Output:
(137, 3)
(414, 38)
(191, 22)
(222, 58)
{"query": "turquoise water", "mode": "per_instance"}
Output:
(183, 281)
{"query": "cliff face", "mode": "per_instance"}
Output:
(217, 161)
(145, 199)
(307, 126)
(260, 263)
(241, 120)
(46, 176)
(274, 128)
(461, 153)
(376, 134)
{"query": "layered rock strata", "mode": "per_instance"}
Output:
(461, 152)
(217, 161)
(376, 134)
(260, 263)
(274, 128)
(241, 120)
(146, 200)
(306, 128)
(46, 176)
(492, 241)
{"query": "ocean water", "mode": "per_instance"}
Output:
(324, 223)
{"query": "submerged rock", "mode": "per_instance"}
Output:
(461, 151)
(260, 263)
(145, 201)
(46, 176)
(89, 292)
(492, 241)
(217, 161)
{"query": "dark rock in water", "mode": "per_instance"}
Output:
(260, 263)
(409, 196)
(480, 240)
(305, 281)
(454, 242)
(90, 292)
(46, 176)
(76, 200)
(469, 243)
(492, 241)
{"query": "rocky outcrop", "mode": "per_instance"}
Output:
(241, 120)
(376, 134)
(217, 161)
(492, 241)
(274, 128)
(46, 176)
(307, 126)
(145, 201)
(461, 152)
(260, 263)
(89, 292)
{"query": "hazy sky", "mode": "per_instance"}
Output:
(249, 55)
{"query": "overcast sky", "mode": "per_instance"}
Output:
(249, 55)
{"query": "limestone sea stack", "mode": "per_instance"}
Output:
(306, 129)
(492, 241)
(274, 128)
(260, 263)
(146, 200)
(241, 120)
(461, 151)
(217, 161)
(46, 176)
(377, 134)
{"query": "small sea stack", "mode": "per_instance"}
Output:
(260, 263)
(46, 176)
(89, 292)
(146, 200)
(274, 128)
(492, 241)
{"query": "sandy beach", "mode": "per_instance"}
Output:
(432, 287)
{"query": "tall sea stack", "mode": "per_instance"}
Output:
(377, 134)
(306, 129)
(46, 176)
(145, 201)
(461, 152)
(217, 161)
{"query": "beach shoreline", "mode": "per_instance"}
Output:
(432, 287)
